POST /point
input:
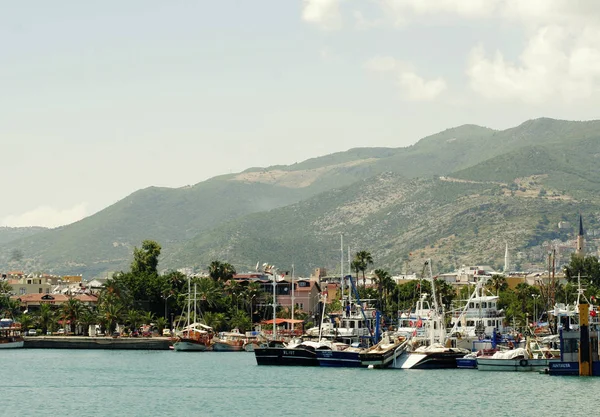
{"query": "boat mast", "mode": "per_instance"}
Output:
(293, 304)
(274, 304)
(195, 306)
(188, 304)
(436, 315)
(342, 267)
(350, 273)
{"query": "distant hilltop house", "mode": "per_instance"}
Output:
(564, 225)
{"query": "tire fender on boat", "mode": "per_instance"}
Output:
(523, 362)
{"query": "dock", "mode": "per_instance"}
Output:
(85, 342)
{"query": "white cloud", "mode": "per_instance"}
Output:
(418, 89)
(558, 63)
(46, 216)
(323, 13)
(412, 86)
(561, 59)
(401, 11)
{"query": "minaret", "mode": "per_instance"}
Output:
(506, 259)
(580, 239)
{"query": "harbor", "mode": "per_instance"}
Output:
(158, 383)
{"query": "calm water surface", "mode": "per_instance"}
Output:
(40, 382)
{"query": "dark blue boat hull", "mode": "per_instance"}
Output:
(338, 358)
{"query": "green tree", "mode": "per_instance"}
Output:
(145, 259)
(45, 317)
(221, 271)
(161, 324)
(241, 321)
(70, 311)
(362, 260)
(497, 283)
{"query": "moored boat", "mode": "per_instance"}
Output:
(229, 341)
(384, 353)
(195, 337)
(516, 360)
(10, 334)
(293, 354)
(340, 355)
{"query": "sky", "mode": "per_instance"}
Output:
(101, 99)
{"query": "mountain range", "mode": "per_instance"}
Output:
(457, 197)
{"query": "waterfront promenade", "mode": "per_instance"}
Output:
(85, 342)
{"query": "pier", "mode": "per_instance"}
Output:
(84, 342)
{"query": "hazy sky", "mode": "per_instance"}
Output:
(100, 99)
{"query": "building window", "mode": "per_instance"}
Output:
(39, 290)
(22, 291)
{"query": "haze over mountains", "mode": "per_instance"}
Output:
(456, 196)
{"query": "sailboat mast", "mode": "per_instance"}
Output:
(342, 266)
(274, 305)
(435, 305)
(350, 273)
(188, 303)
(293, 304)
(195, 306)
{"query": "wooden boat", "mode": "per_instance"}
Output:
(10, 334)
(229, 341)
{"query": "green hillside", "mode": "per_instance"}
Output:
(439, 197)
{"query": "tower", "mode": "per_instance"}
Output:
(579, 246)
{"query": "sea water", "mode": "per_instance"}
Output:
(47, 382)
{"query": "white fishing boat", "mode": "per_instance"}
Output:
(431, 350)
(515, 360)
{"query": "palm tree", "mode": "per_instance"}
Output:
(215, 320)
(161, 324)
(363, 259)
(88, 318)
(71, 311)
(45, 317)
(27, 321)
(498, 283)
(385, 284)
(241, 321)
(221, 271)
(112, 315)
(133, 319)
(208, 292)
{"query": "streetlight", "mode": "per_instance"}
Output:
(251, 302)
(166, 298)
(535, 297)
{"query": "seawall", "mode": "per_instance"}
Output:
(84, 342)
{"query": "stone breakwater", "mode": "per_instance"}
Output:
(83, 342)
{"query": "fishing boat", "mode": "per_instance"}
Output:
(10, 334)
(432, 350)
(519, 360)
(340, 355)
(294, 353)
(232, 341)
(384, 353)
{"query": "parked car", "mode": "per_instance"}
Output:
(167, 332)
(31, 332)
(60, 331)
(116, 334)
